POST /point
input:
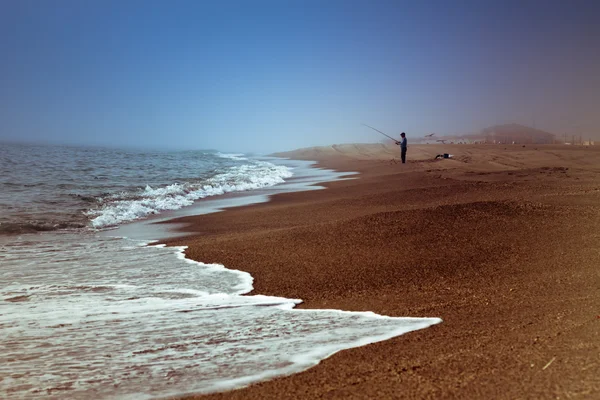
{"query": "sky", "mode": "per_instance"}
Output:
(264, 76)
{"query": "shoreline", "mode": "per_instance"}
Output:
(434, 196)
(162, 227)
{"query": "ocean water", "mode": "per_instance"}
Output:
(87, 313)
(46, 188)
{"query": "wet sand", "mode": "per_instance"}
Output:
(502, 242)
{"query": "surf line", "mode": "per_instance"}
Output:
(302, 362)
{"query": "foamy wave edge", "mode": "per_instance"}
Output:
(299, 362)
(306, 361)
(150, 201)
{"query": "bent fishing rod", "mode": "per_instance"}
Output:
(377, 130)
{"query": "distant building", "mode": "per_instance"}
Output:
(517, 134)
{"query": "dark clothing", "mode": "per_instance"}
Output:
(403, 147)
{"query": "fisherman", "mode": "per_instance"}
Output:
(403, 147)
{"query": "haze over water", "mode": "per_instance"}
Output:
(267, 76)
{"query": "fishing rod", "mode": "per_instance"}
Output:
(377, 130)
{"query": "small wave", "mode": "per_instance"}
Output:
(86, 199)
(16, 228)
(124, 207)
(17, 299)
(233, 156)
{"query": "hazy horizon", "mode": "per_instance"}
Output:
(270, 76)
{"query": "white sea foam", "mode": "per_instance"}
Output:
(232, 156)
(124, 207)
(85, 316)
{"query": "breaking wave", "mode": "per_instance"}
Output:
(129, 206)
(233, 156)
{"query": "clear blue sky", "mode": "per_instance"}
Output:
(275, 75)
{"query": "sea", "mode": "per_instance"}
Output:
(92, 307)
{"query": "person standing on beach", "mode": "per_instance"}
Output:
(403, 147)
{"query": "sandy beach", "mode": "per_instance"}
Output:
(501, 241)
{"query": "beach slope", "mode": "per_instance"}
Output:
(501, 242)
